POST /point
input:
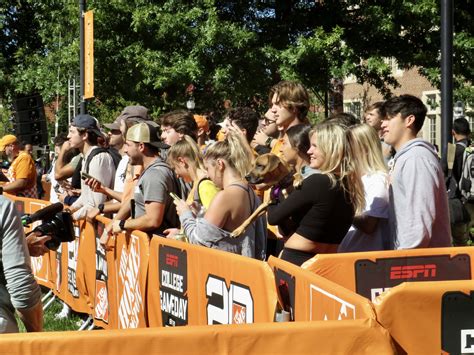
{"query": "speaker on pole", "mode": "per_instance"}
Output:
(30, 120)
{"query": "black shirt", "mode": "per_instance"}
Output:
(322, 213)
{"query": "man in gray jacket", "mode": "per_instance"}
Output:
(418, 214)
(18, 287)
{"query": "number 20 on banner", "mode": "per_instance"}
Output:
(233, 305)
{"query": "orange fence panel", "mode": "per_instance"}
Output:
(331, 337)
(194, 285)
(371, 273)
(307, 296)
(130, 259)
(429, 317)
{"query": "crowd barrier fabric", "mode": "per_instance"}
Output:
(307, 296)
(371, 273)
(331, 337)
(129, 273)
(194, 285)
(429, 317)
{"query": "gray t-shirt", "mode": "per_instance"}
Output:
(154, 185)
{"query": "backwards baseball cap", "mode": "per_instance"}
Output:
(6, 140)
(134, 113)
(146, 133)
(87, 122)
(201, 122)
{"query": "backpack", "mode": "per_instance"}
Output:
(466, 183)
(113, 153)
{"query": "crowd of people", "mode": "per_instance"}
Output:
(355, 184)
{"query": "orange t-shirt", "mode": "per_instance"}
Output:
(129, 185)
(23, 167)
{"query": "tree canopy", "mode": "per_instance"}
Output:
(151, 52)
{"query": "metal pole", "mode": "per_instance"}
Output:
(82, 10)
(446, 75)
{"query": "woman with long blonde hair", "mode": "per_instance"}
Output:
(323, 208)
(369, 229)
(227, 162)
(185, 159)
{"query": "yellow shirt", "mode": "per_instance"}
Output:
(207, 192)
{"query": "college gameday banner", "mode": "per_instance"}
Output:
(430, 317)
(194, 285)
(309, 297)
(371, 273)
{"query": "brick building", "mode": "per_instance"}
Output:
(357, 97)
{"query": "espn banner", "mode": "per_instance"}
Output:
(430, 317)
(194, 285)
(371, 273)
(309, 297)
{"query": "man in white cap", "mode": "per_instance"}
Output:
(151, 208)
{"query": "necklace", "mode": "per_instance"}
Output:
(233, 182)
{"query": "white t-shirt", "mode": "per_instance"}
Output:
(120, 173)
(376, 205)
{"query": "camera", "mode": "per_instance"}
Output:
(56, 223)
(59, 227)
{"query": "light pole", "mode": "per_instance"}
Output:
(82, 10)
(190, 104)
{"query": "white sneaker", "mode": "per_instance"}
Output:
(65, 312)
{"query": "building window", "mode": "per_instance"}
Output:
(353, 107)
(393, 65)
(432, 121)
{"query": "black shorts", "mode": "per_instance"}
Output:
(294, 256)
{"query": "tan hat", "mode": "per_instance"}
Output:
(145, 133)
(136, 113)
(6, 140)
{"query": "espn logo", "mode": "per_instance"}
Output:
(467, 341)
(412, 271)
(172, 260)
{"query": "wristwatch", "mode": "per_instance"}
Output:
(122, 224)
(101, 207)
(268, 142)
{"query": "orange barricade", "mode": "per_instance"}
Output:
(307, 296)
(73, 294)
(371, 273)
(194, 285)
(41, 266)
(130, 266)
(105, 304)
(429, 317)
(331, 337)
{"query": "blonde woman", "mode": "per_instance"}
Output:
(185, 159)
(227, 162)
(370, 229)
(324, 207)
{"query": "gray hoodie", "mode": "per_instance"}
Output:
(418, 214)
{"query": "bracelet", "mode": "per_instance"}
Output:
(122, 224)
(101, 207)
(268, 142)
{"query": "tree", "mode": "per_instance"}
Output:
(150, 52)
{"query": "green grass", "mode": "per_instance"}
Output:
(51, 324)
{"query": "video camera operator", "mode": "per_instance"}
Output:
(18, 287)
